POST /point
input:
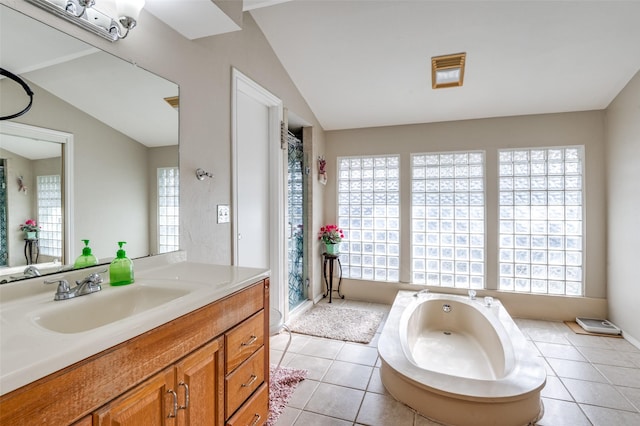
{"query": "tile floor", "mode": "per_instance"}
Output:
(591, 380)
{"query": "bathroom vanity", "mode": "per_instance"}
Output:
(193, 349)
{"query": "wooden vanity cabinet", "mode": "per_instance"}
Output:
(189, 393)
(134, 382)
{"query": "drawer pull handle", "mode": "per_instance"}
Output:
(186, 396)
(175, 404)
(250, 342)
(256, 417)
(250, 382)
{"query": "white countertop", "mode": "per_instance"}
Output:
(29, 352)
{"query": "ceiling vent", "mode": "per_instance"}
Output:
(447, 70)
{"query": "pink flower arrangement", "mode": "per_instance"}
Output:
(330, 234)
(29, 225)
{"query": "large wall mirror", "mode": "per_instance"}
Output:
(95, 158)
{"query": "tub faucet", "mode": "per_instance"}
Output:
(88, 285)
(31, 271)
(423, 291)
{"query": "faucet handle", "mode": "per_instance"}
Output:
(63, 288)
(93, 279)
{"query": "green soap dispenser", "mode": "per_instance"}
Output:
(121, 269)
(86, 258)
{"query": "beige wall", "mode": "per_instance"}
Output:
(623, 209)
(490, 135)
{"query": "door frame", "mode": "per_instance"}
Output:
(66, 140)
(240, 83)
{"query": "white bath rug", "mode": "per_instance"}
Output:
(339, 323)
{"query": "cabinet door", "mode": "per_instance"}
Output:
(200, 386)
(255, 411)
(150, 404)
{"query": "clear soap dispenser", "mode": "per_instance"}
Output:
(121, 268)
(86, 258)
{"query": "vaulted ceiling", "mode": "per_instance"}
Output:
(362, 63)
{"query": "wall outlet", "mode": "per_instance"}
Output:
(223, 213)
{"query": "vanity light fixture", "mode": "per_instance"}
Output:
(88, 15)
(447, 70)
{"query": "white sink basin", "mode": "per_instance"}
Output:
(87, 312)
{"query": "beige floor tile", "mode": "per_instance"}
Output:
(600, 394)
(632, 394)
(583, 340)
(554, 350)
(375, 384)
(601, 416)
(358, 354)
(297, 342)
(547, 335)
(302, 393)
(607, 356)
(348, 374)
(550, 371)
(555, 389)
(279, 341)
(635, 358)
(526, 324)
(599, 373)
(562, 413)
(335, 401)
(317, 367)
(622, 345)
(576, 370)
(383, 410)
(323, 348)
(275, 356)
(307, 418)
(288, 417)
(621, 376)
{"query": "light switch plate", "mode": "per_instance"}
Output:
(223, 213)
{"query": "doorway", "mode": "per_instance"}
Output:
(296, 226)
(258, 183)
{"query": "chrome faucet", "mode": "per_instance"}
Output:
(31, 271)
(88, 285)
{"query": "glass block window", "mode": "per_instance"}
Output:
(369, 215)
(168, 209)
(49, 200)
(541, 220)
(448, 219)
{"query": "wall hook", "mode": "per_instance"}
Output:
(201, 174)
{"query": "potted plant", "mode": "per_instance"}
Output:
(30, 229)
(331, 236)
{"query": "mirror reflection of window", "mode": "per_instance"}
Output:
(49, 199)
(168, 209)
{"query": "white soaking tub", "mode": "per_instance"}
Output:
(459, 362)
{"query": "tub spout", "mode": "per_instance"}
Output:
(423, 291)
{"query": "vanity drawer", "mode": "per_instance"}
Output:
(243, 340)
(255, 412)
(242, 382)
